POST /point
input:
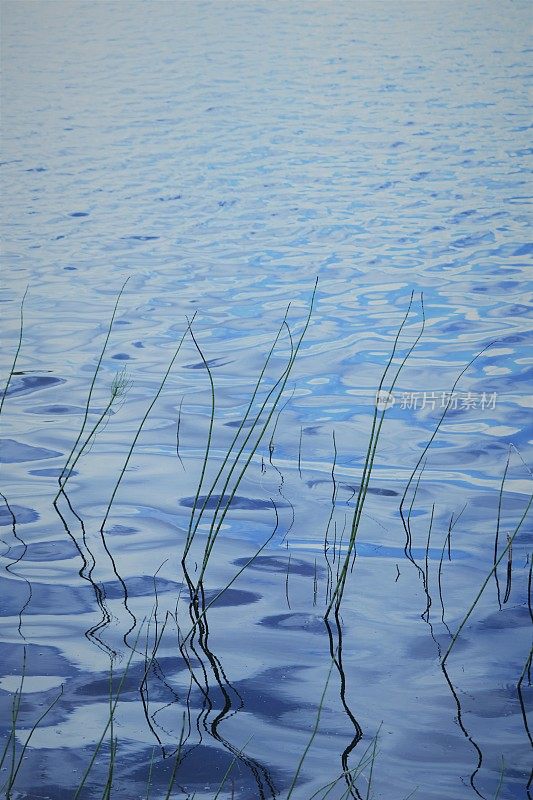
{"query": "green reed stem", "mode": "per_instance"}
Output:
(215, 527)
(193, 529)
(314, 731)
(230, 767)
(91, 388)
(485, 582)
(109, 722)
(139, 429)
(14, 363)
(370, 455)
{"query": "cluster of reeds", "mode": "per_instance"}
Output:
(211, 505)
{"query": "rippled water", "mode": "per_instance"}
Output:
(222, 156)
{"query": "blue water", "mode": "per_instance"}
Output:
(222, 156)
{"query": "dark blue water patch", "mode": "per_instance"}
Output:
(54, 773)
(507, 284)
(202, 766)
(48, 599)
(22, 515)
(141, 586)
(516, 310)
(121, 530)
(98, 688)
(507, 617)
(297, 622)
(424, 647)
(515, 782)
(472, 240)
(419, 176)
(312, 430)
(71, 269)
(462, 215)
(213, 362)
(138, 344)
(524, 250)
(248, 423)
(376, 490)
(262, 697)
(275, 564)
(495, 702)
(55, 550)
(36, 169)
(121, 357)
(79, 214)
(231, 597)
(32, 383)
(516, 338)
(51, 473)
(40, 659)
(511, 381)
(237, 502)
(54, 409)
(13, 452)
(456, 327)
(139, 238)
(169, 198)
(386, 185)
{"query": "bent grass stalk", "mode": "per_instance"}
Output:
(372, 762)
(215, 527)
(19, 345)
(11, 741)
(353, 773)
(103, 622)
(119, 386)
(370, 455)
(498, 520)
(205, 609)
(228, 452)
(112, 710)
(314, 731)
(112, 740)
(485, 582)
(230, 767)
(234, 459)
(194, 527)
(15, 708)
(140, 427)
(91, 389)
(432, 437)
(32, 731)
(176, 760)
(500, 782)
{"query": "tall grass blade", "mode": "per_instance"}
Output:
(313, 733)
(485, 582)
(19, 345)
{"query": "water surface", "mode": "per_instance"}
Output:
(221, 157)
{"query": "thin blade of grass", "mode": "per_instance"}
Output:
(485, 582)
(313, 733)
(230, 767)
(14, 362)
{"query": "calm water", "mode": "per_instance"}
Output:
(222, 156)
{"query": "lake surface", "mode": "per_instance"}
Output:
(221, 157)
